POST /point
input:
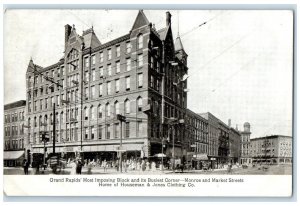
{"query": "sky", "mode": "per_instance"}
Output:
(240, 62)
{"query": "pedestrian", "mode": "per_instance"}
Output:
(25, 167)
(73, 167)
(79, 166)
(37, 170)
(147, 166)
(143, 165)
(90, 166)
(153, 166)
(104, 164)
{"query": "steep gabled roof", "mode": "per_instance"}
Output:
(163, 32)
(141, 20)
(90, 39)
(178, 44)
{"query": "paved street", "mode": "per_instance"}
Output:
(258, 170)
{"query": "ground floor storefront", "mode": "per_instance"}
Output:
(272, 160)
(13, 158)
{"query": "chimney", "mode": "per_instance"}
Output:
(68, 29)
(229, 122)
(168, 18)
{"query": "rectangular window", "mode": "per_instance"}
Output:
(93, 132)
(93, 92)
(118, 67)
(93, 74)
(109, 54)
(118, 50)
(108, 88)
(127, 82)
(128, 47)
(86, 133)
(86, 92)
(128, 64)
(100, 90)
(93, 60)
(108, 131)
(86, 76)
(101, 72)
(151, 62)
(109, 70)
(46, 103)
(140, 60)
(140, 80)
(41, 104)
(101, 56)
(117, 130)
(86, 62)
(58, 73)
(127, 129)
(100, 130)
(117, 89)
(151, 81)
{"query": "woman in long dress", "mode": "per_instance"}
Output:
(73, 167)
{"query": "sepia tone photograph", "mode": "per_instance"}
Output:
(148, 92)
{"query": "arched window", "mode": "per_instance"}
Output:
(51, 119)
(100, 111)
(127, 106)
(117, 108)
(107, 110)
(35, 122)
(29, 122)
(93, 112)
(62, 117)
(140, 41)
(40, 121)
(139, 104)
(46, 119)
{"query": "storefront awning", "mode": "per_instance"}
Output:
(12, 155)
(201, 157)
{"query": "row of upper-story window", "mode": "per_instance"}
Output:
(14, 144)
(14, 117)
(73, 64)
(14, 130)
(89, 93)
(73, 79)
(117, 49)
(99, 131)
(93, 112)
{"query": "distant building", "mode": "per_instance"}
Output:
(274, 149)
(14, 117)
(245, 144)
(223, 149)
(234, 145)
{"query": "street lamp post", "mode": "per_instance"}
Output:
(174, 121)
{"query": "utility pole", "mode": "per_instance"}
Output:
(121, 118)
(54, 133)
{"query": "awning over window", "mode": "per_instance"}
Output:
(13, 155)
(201, 157)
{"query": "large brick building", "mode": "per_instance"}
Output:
(140, 75)
(14, 135)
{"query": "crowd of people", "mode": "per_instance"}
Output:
(126, 165)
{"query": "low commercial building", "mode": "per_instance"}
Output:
(14, 117)
(274, 149)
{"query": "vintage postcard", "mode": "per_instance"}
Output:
(148, 102)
